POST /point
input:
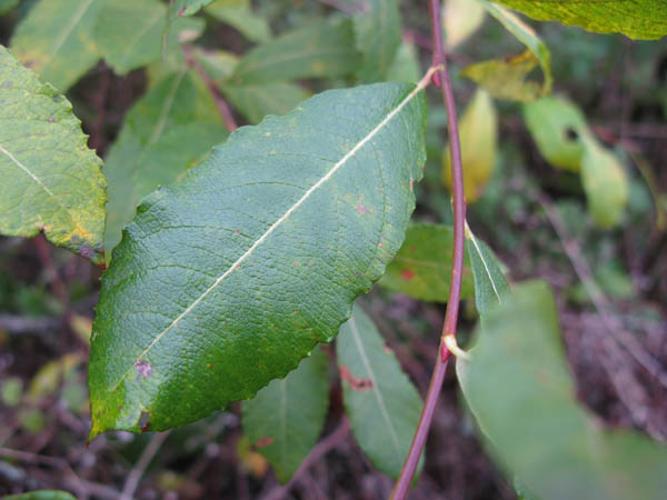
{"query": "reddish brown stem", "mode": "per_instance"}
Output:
(223, 108)
(441, 79)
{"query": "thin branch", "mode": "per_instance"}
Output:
(600, 301)
(441, 79)
(220, 102)
(133, 478)
(323, 447)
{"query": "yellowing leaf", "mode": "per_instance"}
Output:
(478, 133)
(461, 18)
(639, 19)
(508, 78)
(606, 185)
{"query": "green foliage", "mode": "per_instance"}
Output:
(491, 286)
(56, 39)
(57, 185)
(461, 19)
(321, 49)
(507, 78)
(255, 101)
(187, 7)
(284, 419)
(381, 402)
(203, 303)
(167, 131)
(239, 15)
(520, 390)
(557, 126)
(41, 495)
(7, 5)
(378, 34)
(422, 266)
(639, 19)
(564, 139)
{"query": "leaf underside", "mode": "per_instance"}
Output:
(226, 280)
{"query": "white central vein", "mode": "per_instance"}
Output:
(371, 375)
(265, 236)
(486, 266)
(26, 170)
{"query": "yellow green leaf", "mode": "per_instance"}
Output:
(478, 134)
(461, 18)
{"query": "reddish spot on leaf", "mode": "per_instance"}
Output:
(361, 209)
(144, 421)
(407, 274)
(144, 368)
(357, 384)
(264, 442)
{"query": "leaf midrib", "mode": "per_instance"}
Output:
(337, 166)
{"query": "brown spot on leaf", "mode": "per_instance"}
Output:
(144, 368)
(357, 384)
(263, 442)
(144, 421)
(407, 274)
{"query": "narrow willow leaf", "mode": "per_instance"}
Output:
(461, 19)
(606, 185)
(167, 131)
(638, 19)
(405, 67)
(479, 137)
(41, 495)
(56, 40)
(187, 7)
(380, 400)
(422, 268)
(520, 390)
(319, 50)
(559, 129)
(229, 278)
(239, 15)
(256, 101)
(491, 286)
(51, 182)
(507, 78)
(378, 34)
(285, 419)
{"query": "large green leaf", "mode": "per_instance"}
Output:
(423, 265)
(226, 280)
(239, 15)
(255, 101)
(285, 418)
(640, 19)
(519, 388)
(378, 33)
(129, 33)
(381, 402)
(51, 181)
(169, 129)
(491, 286)
(321, 49)
(56, 40)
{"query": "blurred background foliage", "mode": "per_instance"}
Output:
(589, 218)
